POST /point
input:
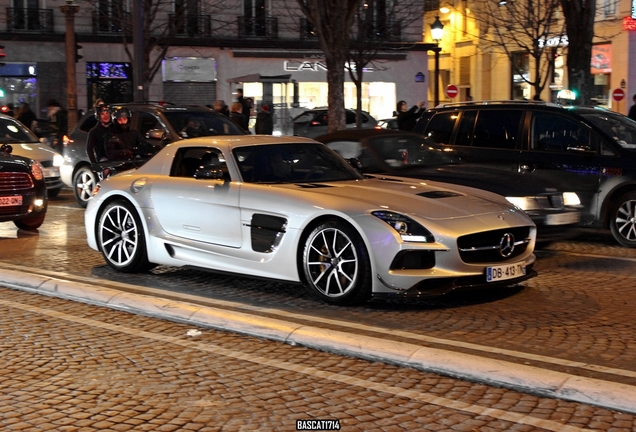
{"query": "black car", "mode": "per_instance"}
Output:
(406, 154)
(313, 122)
(158, 123)
(23, 196)
(587, 150)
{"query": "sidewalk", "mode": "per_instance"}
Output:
(531, 379)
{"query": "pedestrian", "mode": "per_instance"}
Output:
(95, 142)
(632, 110)
(264, 121)
(406, 118)
(245, 108)
(221, 107)
(28, 117)
(236, 115)
(58, 124)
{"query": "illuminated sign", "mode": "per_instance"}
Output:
(107, 70)
(554, 41)
(304, 66)
(629, 23)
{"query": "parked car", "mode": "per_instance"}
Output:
(292, 209)
(26, 143)
(589, 151)
(408, 154)
(313, 122)
(389, 123)
(23, 196)
(159, 123)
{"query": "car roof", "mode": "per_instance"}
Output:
(231, 141)
(358, 134)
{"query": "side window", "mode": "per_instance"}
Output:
(188, 160)
(350, 117)
(353, 149)
(466, 128)
(555, 133)
(440, 128)
(147, 122)
(497, 128)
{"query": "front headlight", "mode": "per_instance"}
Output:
(37, 170)
(571, 199)
(407, 228)
(524, 203)
(58, 160)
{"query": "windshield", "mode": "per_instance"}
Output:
(12, 131)
(619, 127)
(192, 124)
(292, 163)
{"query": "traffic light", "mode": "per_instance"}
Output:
(77, 48)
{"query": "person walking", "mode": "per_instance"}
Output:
(264, 121)
(632, 110)
(236, 115)
(58, 124)
(245, 108)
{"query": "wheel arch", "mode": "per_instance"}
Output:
(611, 198)
(110, 199)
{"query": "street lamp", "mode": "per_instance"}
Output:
(437, 31)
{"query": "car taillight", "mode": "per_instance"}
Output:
(314, 123)
(66, 140)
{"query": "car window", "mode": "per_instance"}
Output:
(14, 131)
(466, 129)
(622, 129)
(190, 159)
(353, 149)
(190, 124)
(557, 133)
(147, 122)
(440, 127)
(305, 117)
(350, 117)
(497, 129)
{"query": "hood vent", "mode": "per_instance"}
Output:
(312, 185)
(439, 194)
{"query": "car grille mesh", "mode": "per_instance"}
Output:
(484, 247)
(14, 181)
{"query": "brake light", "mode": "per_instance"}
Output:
(37, 171)
(314, 123)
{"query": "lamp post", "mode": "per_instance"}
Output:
(437, 31)
(69, 10)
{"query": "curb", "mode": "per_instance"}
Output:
(530, 379)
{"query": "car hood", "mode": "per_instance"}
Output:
(37, 151)
(11, 163)
(426, 199)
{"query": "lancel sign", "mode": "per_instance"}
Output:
(304, 66)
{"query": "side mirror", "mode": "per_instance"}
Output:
(157, 134)
(211, 172)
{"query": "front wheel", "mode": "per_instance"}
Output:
(121, 239)
(30, 224)
(83, 184)
(336, 264)
(623, 220)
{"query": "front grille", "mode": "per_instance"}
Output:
(14, 181)
(484, 247)
(14, 210)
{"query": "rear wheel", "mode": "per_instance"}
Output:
(83, 184)
(623, 220)
(121, 239)
(30, 224)
(336, 264)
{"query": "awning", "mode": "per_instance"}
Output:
(260, 78)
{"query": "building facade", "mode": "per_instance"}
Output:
(265, 47)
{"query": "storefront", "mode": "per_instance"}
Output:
(18, 84)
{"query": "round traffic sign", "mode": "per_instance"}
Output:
(618, 94)
(451, 91)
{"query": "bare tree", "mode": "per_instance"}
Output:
(378, 24)
(523, 26)
(332, 20)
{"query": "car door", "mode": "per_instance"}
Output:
(563, 152)
(203, 210)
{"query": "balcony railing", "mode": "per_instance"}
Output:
(112, 23)
(258, 27)
(29, 20)
(191, 25)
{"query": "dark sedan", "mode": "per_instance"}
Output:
(407, 154)
(23, 197)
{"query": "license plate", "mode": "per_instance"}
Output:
(11, 201)
(562, 218)
(504, 272)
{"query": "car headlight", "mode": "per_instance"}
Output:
(571, 199)
(407, 228)
(37, 170)
(524, 203)
(58, 160)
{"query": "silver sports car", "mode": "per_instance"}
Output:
(290, 208)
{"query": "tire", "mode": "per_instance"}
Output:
(623, 220)
(336, 264)
(84, 182)
(30, 224)
(121, 239)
